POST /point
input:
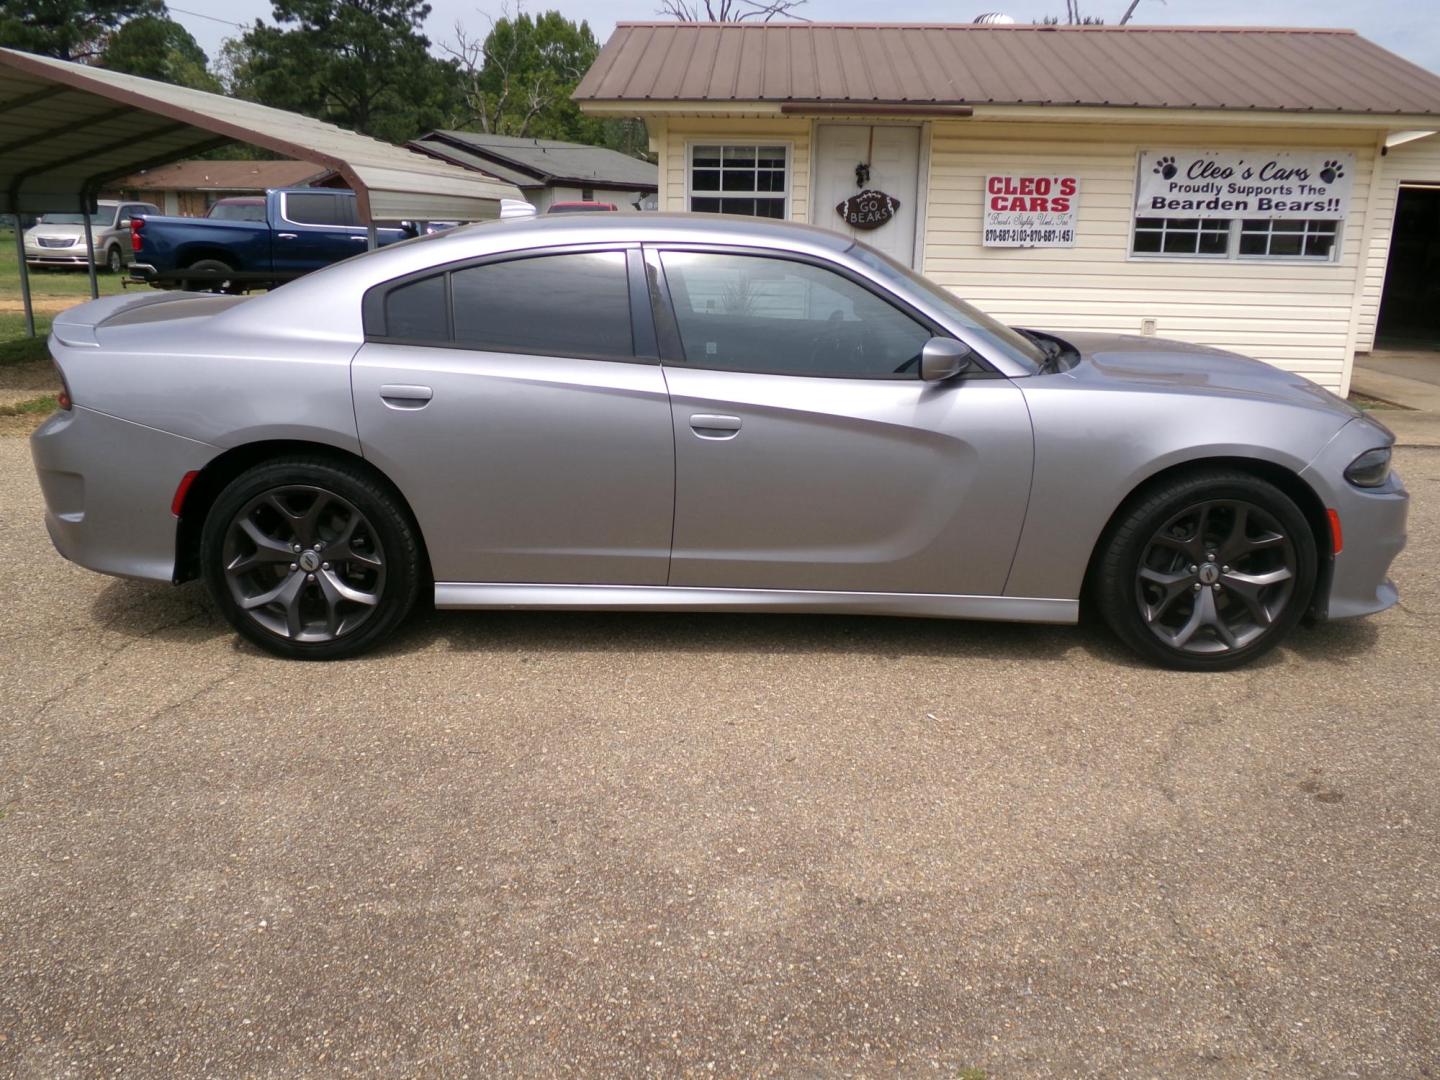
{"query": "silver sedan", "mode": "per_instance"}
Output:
(699, 413)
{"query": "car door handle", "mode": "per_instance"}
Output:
(359, 239)
(399, 396)
(712, 426)
(285, 235)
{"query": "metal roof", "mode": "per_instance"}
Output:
(67, 129)
(543, 161)
(221, 176)
(1252, 69)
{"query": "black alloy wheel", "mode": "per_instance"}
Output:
(310, 559)
(1208, 572)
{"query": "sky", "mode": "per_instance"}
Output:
(1410, 28)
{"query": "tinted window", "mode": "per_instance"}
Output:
(235, 211)
(416, 312)
(318, 209)
(748, 313)
(555, 305)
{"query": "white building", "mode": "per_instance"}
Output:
(1231, 187)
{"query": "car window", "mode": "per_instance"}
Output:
(416, 311)
(573, 304)
(782, 317)
(318, 208)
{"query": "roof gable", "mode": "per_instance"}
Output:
(1287, 70)
(541, 161)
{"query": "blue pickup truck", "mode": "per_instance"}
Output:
(304, 229)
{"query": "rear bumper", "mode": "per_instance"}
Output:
(1372, 523)
(108, 485)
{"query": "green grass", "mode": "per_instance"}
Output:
(54, 284)
(15, 347)
(42, 405)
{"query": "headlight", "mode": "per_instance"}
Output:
(1370, 469)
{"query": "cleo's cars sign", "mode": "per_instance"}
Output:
(1030, 211)
(1289, 185)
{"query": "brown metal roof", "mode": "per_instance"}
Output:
(223, 176)
(1290, 70)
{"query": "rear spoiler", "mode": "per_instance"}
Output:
(77, 326)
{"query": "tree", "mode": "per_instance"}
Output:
(519, 78)
(68, 29)
(362, 64)
(158, 47)
(729, 10)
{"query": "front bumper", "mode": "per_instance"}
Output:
(58, 257)
(108, 485)
(1372, 524)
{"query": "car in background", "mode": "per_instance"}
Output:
(701, 413)
(580, 207)
(300, 230)
(58, 239)
(238, 208)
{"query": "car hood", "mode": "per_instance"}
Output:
(1156, 365)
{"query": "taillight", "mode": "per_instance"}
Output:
(63, 398)
(136, 224)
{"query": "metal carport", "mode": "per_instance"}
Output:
(67, 129)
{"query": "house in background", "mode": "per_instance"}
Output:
(547, 170)
(1268, 191)
(192, 187)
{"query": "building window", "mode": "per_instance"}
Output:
(1181, 236)
(1249, 238)
(739, 179)
(1288, 239)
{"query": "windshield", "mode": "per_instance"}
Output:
(994, 333)
(103, 216)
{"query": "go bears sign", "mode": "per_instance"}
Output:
(1287, 185)
(1030, 211)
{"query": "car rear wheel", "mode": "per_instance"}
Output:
(310, 559)
(1207, 572)
(210, 284)
(114, 261)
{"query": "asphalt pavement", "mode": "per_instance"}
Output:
(626, 845)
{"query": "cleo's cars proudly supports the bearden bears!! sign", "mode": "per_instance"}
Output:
(1030, 211)
(1289, 185)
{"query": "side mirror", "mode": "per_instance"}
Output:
(944, 358)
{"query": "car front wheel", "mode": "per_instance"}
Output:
(310, 559)
(1208, 571)
(114, 260)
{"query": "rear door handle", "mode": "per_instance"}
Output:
(714, 426)
(285, 236)
(400, 396)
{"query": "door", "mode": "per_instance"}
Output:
(892, 153)
(1410, 302)
(317, 229)
(809, 455)
(506, 402)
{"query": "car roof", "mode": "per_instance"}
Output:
(650, 226)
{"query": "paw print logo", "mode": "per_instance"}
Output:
(1331, 172)
(1166, 167)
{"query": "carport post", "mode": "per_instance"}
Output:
(89, 250)
(372, 237)
(24, 276)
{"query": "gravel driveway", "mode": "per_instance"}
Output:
(710, 845)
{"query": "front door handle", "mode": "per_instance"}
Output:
(713, 426)
(285, 236)
(401, 396)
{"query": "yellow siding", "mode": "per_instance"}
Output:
(1416, 161)
(678, 132)
(1297, 316)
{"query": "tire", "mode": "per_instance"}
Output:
(1207, 571)
(209, 284)
(352, 580)
(114, 260)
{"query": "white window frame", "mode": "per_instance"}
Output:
(787, 145)
(1232, 247)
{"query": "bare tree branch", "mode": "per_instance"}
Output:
(724, 11)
